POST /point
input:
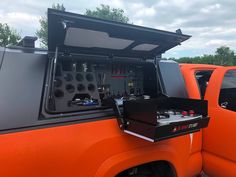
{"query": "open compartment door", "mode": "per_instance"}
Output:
(82, 34)
(117, 54)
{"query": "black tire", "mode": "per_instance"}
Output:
(153, 169)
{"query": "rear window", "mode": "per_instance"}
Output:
(229, 80)
(203, 78)
(227, 97)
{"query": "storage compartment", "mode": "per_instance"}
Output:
(162, 118)
(83, 82)
(96, 65)
(92, 60)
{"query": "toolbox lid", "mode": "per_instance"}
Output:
(82, 34)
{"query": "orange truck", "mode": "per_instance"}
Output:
(100, 102)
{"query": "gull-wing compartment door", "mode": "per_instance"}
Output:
(87, 42)
(82, 34)
(219, 155)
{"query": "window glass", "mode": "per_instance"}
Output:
(227, 97)
(203, 78)
(229, 80)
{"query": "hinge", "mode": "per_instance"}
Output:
(120, 119)
(51, 80)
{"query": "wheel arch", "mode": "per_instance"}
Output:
(126, 160)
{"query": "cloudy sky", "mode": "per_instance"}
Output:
(212, 23)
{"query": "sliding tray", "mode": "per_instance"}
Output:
(163, 118)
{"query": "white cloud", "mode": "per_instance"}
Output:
(24, 23)
(20, 16)
(140, 10)
(210, 8)
(211, 22)
(216, 42)
(138, 22)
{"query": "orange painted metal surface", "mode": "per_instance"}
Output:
(97, 149)
(218, 145)
(219, 138)
(188, 71)
(93, 149)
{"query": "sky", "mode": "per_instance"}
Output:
(211, 23)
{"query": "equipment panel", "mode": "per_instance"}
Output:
(83, 84)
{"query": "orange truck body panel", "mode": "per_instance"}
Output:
(93, 149)
(218, 146)
(219, 138)
(101, 149)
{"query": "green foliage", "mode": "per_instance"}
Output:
(42, 33)
(108, 13)
(224, 56)
(104, 12)
(58, 7)
(8, 36)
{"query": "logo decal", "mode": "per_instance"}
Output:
(184, 127)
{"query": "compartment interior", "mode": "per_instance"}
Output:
(84, 82)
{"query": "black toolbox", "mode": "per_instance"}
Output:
(141, 117)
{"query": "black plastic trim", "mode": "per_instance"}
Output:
(52, 124)
(2, 52)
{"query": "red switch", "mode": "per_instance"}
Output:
(191, 112)
(184, 113)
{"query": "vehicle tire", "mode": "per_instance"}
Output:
(141, 175)
(156, 169)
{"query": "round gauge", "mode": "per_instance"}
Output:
(68, 77)
(70, 88)
(79, 77)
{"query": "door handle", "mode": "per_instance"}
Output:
(224, 104)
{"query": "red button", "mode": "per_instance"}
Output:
(191, 112)
(184, 113)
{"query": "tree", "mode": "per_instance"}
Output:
(104, 12)
(108, 13)
(225, 56)
(42, 33)
(8, 36)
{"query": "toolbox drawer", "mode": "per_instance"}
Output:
(141, 117)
